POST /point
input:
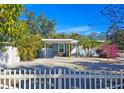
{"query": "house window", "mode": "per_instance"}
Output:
(61, 48)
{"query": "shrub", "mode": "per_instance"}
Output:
(28, 45)
(88, 45)
(108, 51)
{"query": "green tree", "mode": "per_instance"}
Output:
(88, 45)
(118, 38)
(26, 42)
(40, 25)
(9, 14)
(28, 45)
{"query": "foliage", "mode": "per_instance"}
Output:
(8, 16)
(66, 36)
(40, 25)
(27, 43)
(88, 44)
(115, 31)
(8, 27)
(108, 51)
(16, 33)
(74, 35)
(118, 38)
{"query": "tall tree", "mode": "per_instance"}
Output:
(118, 38)
(115, 14)
(40, 25)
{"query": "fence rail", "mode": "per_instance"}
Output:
(60, 79)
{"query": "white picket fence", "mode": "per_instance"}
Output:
(60, 79)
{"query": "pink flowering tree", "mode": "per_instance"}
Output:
(108, 51)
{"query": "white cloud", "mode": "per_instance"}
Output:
(78, 29)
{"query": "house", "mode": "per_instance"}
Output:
(59, 47)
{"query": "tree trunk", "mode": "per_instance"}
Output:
(108, 58)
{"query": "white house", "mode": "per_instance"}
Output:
(59, 47)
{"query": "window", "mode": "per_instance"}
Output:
(61, 48)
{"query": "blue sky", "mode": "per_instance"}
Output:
(80, 18)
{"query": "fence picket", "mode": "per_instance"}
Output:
(50, 83)
(95, 84)
(9, 79)
(14, 86)
(45, 79)
(74, 80)
(54, 79)
(35, 79)
(80, 82)
(69, 79)
(116, 83)
(29, 79)
(24, 79)
(111, 83)
(90, 86)
(121, 82)
(64, 72)
(106, 83)
(100, 83)
(39, 79)
(85, 81)
(111, 79)
(4, 80)
(60, 79)
(19, 79)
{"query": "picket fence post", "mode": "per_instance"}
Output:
(59, 79)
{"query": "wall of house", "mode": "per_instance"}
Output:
(53, 51)
(49, 53)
